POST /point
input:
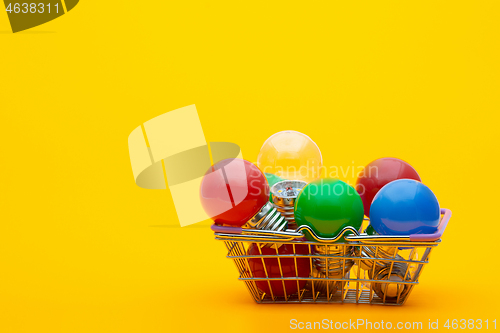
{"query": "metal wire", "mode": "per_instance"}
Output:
(349, 272)
(358, 269)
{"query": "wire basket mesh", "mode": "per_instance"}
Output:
(363, 269)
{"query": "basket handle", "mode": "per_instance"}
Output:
(226, 230)
(238, 231)
(409, 238)
(252, 234)
(438, 234)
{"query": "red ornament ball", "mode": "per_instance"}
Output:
(379, 173)
(273, 268)
(233, 191)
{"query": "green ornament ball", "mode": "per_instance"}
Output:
(328, 206)
(370, 231)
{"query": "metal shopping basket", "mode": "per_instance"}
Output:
(360, 269)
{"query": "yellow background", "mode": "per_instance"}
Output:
(83, 249)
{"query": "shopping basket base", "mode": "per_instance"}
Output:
(278, 267)
(350, 296)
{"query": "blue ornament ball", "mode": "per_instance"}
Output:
(405, 207)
